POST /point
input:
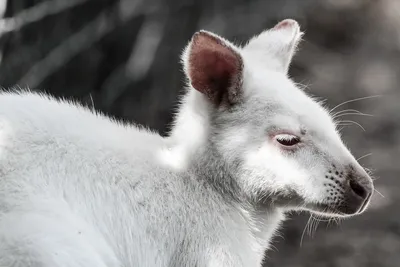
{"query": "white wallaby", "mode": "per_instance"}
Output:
(78, 189)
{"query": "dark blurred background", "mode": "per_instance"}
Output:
(122, 57)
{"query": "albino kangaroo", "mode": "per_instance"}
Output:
(79, 189)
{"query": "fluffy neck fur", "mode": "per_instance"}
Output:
(190, 148)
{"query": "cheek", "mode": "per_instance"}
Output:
(233, 141)
(273, 168)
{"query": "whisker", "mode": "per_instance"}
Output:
(368, 170)
(353, 113)
(342, 126)
(341, 123)
(356, 123)
(379, 193)
(309, 226)
(315, 227)
(331, 221)
(321, 219)
(366, 155)
(310, 229)
(304, 231)
(303, 86)
(313, 222)
(337, 221)
(346, 110)
(354, 100)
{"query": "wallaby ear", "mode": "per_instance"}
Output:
(214, 68)
(276, 46)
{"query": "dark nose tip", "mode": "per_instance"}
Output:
(360, 190)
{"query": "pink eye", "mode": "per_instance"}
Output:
(287, 140)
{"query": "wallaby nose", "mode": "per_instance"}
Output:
(359, 190)
(362, 191)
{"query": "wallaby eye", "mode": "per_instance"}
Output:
(287, 139)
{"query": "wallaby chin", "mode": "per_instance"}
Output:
(80, 189)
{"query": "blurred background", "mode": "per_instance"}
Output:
(122, 57)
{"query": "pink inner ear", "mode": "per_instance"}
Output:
(285, 23)
(214, 68)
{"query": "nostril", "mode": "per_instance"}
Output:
(358, 189)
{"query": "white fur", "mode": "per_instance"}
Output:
(78, 189)
(189, 131)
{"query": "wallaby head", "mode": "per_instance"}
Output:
(280, 146)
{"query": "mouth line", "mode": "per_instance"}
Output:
(364, 205)
(333, 213)
(328, 211)
(329, 215)
(324, 209)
